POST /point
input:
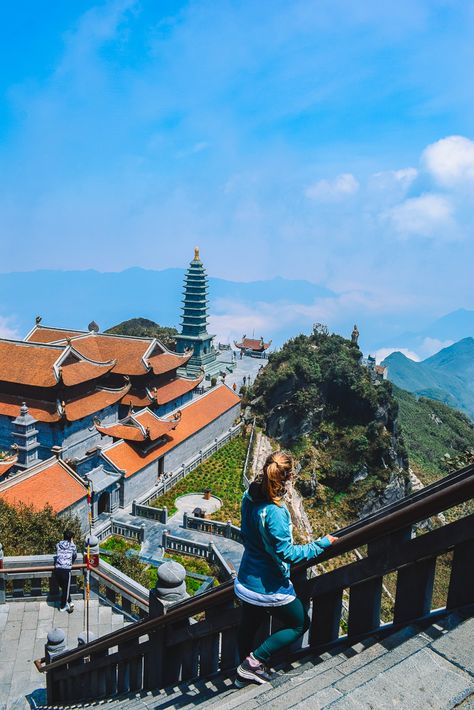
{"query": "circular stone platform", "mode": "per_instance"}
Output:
(187, 503)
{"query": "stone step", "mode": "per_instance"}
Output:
(413, 668)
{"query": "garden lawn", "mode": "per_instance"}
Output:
(222, 474)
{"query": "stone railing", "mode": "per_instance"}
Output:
(168, 480)
(209, 551)
(119, 591)
(29, 578)
(212, 527)
(149, 512)
(117, 527)
(246, 481)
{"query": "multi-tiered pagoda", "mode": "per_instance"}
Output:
(194, 322)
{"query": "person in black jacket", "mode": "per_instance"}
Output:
(66, 554)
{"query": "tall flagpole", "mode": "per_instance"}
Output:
(88, 561)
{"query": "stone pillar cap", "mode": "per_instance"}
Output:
(170, 584)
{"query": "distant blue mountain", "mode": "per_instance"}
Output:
(74, 298)
(447, 376)
(453, 326)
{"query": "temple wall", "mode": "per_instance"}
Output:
(174, 404)
(75, 437)
(140, 482)
(6, 427)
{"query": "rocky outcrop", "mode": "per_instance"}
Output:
(396, 489)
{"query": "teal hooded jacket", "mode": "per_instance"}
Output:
(268, 542)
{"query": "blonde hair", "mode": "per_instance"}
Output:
(277, 470)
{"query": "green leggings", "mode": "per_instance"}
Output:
(293, 617)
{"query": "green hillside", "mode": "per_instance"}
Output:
(143, 327)
(447, 376)
(430, 430)
(315, 397)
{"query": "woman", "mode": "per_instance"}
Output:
(263, 584)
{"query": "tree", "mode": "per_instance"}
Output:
(25, 531)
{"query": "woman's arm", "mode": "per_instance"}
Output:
(276, 535)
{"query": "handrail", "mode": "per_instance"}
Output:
(414, 510)
(116, 584)
(27, 570)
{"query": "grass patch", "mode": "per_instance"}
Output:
(222, 474)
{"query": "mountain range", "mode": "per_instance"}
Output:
(447, 376)
(276, 308)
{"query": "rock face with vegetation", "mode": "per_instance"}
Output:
(316, 398)
(142, 327)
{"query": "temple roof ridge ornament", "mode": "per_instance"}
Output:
(196, 254)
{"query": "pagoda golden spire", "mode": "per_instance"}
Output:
(196, 254)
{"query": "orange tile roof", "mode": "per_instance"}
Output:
(166, 362)
(137, 398)
(7, 464)
(176, 388)
(45, 411)
(74, 373)
(253, 344)
(43, 334)
(128, 432)
(155, 426)
(93, 402)
(41, 410)
(194, 416)
(48, 483)
(27, 364)
(151, 429)
(127, 352)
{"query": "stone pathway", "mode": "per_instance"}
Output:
(152, 550)
(24, 628)
(191, 501)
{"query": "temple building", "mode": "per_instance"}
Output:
(253, 347)
(194, 322)
(87, 409)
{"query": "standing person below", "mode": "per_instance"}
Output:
(66, 554)
(263, 584)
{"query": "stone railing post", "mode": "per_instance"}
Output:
(170, 589)
(55, 644)
(228, 530)
(84, 638)
(164, 517)
(164, 539)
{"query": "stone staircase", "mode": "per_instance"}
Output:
(24, 633)
(413, 669)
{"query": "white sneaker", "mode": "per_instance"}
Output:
(64, 608)
(70, 608)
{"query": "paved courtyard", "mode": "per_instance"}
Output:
(24, 628)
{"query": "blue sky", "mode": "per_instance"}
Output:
(329, 140)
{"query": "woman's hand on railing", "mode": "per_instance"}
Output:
(332, 539)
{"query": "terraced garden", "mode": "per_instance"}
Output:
(145, 574)
(222, 474)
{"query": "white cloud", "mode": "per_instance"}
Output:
(403, 178)
(341, 187)
(382, 353)
(450, 160)
(8, 329)
(429, 215)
